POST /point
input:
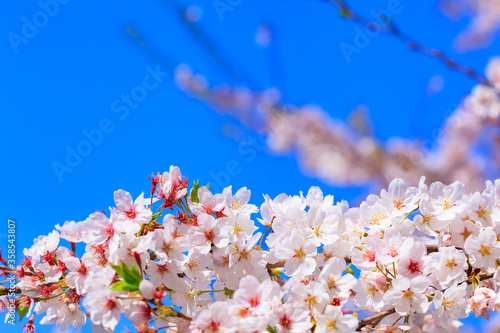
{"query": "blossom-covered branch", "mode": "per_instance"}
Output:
(484, 25)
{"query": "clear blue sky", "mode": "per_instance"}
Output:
(66, 78)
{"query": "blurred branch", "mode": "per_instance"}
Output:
(342, 154)
(391, 29)
(215, 51)
(135, 34)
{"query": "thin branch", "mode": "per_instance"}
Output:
(379, 316)
(347, 12)
(4, 291)
(279, 264)
(230, 65)
(485, 277)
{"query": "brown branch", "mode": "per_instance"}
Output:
(183, 316)
(4, 291)
(391, 29)
(379, 316)
(485, 277)
(279, 264)
(432, 248)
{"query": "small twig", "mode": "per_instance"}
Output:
(391, 29)
(6, 291)
(379, 316)
(485, 277)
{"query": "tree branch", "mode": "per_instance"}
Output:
(4, 291)
(379, 316)
(391, 29)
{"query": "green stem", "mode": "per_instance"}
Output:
(45, 299)
(210, 291)
(381, 271)
(262, 238)
(407, 215)
(187, 205)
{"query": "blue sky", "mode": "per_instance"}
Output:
(67, 77)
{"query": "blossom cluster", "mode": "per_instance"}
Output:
(485, 21)
(411, 259)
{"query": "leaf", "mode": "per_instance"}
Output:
(194, 192)
(131, 275)
(349, 270)
(22, 310)
(228, 292)
(117, 269)
(124, 286)
(271, 329)
(135, 272)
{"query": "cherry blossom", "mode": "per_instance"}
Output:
(414, 259)
(407, 296)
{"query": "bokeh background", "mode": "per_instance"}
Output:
(69, 77)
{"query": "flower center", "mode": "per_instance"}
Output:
(285, 322)
(483, 211)
(131, 214)
(393, 252)
(235, 205)
(375, 218)
(451, 263)
(332, 325)
(82, 270)
(369, 256)
(299, 253)
(446, 204)
(110, 304)
(485, 250)
(254, 302)
(213, 325)
(414, 266)
(210, 235)
(408, 294)
(398, 203)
